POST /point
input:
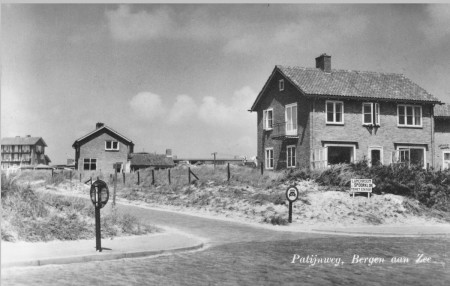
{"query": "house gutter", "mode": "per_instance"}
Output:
(432, 137)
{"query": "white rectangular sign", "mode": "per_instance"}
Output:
(362, 185)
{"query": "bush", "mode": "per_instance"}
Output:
(429, 187)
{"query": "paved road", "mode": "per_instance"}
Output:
(243, 255)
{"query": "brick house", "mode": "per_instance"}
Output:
(314, 117)
(442, 136)
(23, 151)
(102, 150)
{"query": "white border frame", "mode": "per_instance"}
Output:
(334, 113)
(369, 154)
(410, 126)
(295, 156)
(415, 147)
(265, 158)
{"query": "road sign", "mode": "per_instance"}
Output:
(361, 185)
(292, 194)
(99, 197)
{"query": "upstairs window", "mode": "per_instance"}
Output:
(281, 84)
(334, 112)
(268, 119)
(111, 145)
(371, 113)
(291, 119)
(409, 115)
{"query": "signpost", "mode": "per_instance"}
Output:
(361, 186)
(291, 196)
(99, 197)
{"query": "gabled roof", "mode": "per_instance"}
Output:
(22, 140)
(146, 159)
(104, 128)
(442, 110)
(314, 82)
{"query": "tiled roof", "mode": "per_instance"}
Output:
(22, 141)
(442, 110)
(102, 128)
(146, 159)
(349, 83)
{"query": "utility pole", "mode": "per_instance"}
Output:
(214, 154)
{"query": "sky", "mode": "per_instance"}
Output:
(183, 76)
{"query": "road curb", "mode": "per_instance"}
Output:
(98, 257)
(325, 231)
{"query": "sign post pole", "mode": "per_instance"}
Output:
(291, 196)
(99, 197)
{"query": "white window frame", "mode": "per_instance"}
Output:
(292, 131)
(341, 145)
(90, 163)
(369, 156)
(112, 145)
(405, 106)
(265, 119)
(374, 114)
(267, 159)
(281, 84)
(443, 158)
(413, 147)
(334, 102)
(294, 156)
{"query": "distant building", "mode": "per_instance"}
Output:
(23, 151)
(147, 160)
(102, 150)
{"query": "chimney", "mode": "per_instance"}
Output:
(323, 62)
(99, 125)
(169, 153)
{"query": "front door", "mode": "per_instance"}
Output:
(375, 156)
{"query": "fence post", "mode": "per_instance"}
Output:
(228, 167)
(70, 174)
(169, 177)
(153, 176)
(123, 173)
(262, 168)
(189, 174)
(138, 178)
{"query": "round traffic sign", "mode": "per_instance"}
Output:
(99, 193)
(292, 194)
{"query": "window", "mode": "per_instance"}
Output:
(412, 156)
(26, 148)
(445, 159)
(340, 153)
(90, 164)
(371, 113)
(268, 119)
(281, 84)
(334, 112)
(409, 115)
(291, 119)
(290, 156)
(269, 158)
(111, 145)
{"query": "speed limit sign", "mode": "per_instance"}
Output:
(292, 194)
